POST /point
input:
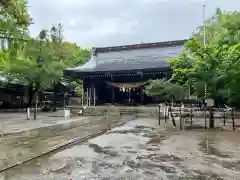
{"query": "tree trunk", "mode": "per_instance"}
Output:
(35, 107)
(181, 123)
(36, 100)
(171, 114)
(211, 118)
(65, 100)
(55, 98)
(30, 97)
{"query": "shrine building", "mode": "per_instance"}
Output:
(117, 75)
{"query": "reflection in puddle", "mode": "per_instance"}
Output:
(140, 150)
(207, 146)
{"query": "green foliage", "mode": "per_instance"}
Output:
(165, 90)
(39, 62)
(14, 13)
(221, 26)
(74, 55)
(14, 22)
(78, 86)
(230, 72)
(181, 66)
(216, 64)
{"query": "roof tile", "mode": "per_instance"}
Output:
(124, 58)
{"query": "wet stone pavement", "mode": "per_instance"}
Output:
(11, 123)
(141, 150)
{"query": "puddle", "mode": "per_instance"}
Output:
(140, 150)
(207, 146)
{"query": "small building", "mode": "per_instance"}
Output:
(117, 75)
(14, 95)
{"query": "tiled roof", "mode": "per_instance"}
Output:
(131, 57)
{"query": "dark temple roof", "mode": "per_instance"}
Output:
(137, 57)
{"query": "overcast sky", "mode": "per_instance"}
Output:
(117, 22)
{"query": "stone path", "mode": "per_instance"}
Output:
(20, 147)
(16, 122)
(140, 149)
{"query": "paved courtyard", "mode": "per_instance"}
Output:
(141, 149)
(17, 122)
(27, 139)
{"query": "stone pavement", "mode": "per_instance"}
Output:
(33, 142)
(11, 123)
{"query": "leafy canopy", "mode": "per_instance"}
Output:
(214, 65)
(164, 89)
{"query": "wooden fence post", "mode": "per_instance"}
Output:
(165, 113)
(205, 116)
(191, 115)
(159, 114)
(181, 124)
(233, 120)
(224, 118)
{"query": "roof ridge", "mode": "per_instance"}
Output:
(139, 46)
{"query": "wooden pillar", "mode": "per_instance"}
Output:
(90, 93)
(84, 98)
(87, 85)
(93, 92)
(94, 96)
(142, 93)
(142, 96)
(90, 96)
(113, 91)
(87, 97)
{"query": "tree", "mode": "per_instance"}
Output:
(37, 63)
(35, 66)
(166, 90)
(14, 14)
(221, 26)
(200, 65)
(78, 87)
(70, 53)
(14, 23)
(230, 72)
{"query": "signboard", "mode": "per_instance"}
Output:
(210, 102)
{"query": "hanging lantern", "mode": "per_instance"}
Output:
(123, 89)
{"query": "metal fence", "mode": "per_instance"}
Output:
(185, 117)
(194, 117)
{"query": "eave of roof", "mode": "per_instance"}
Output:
(137, 57)
(139, 46)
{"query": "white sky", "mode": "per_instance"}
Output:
(117, 22)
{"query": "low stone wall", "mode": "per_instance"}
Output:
(120, 111)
